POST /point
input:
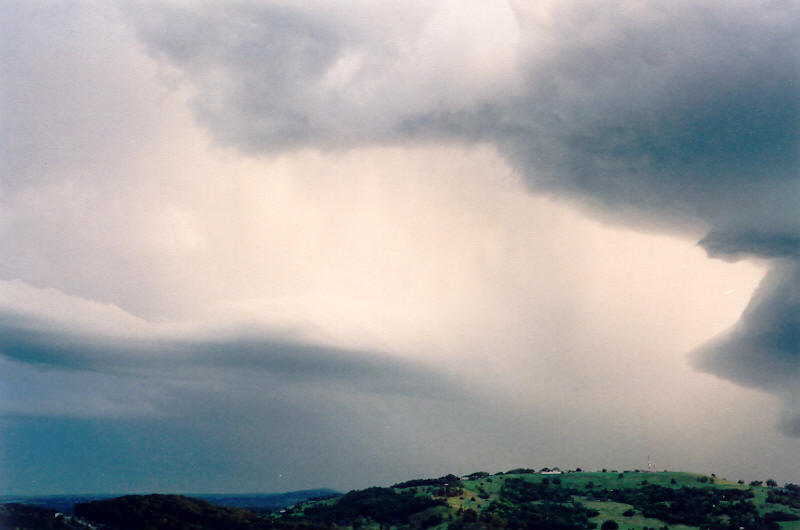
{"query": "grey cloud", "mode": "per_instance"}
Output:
(681, 118)
(679, 112)
(735, 245)
(763, 349)
(258, 59)
(790, 421)
(45, 344)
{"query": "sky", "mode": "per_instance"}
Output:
(264, 246)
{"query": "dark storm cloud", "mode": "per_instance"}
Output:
(42, 343)
(734, 245)
(681, 114)
(763, 349)
(681, 118)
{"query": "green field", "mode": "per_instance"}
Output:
(636, 479)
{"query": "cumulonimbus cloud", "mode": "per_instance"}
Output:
(675, 117)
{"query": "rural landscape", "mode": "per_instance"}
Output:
(517, 499)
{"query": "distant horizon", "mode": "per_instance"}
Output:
(3, 496)
(207, 493)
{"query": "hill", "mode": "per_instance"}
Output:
(136, 512)
(522, 498)
(257, 502)
(518, 499)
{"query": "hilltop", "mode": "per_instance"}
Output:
(520, 498)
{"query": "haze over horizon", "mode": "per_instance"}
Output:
(264, 246)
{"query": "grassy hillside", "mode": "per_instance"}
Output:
(525, 499)
(519, 499)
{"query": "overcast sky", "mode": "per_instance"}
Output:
(264, 246)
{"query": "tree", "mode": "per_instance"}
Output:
(470, 516)
(610, 524)
(771, 483)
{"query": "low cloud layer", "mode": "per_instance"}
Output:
(41, 343)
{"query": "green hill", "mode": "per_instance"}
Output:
(526, 499)
(518, 499)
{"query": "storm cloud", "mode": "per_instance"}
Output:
(763, 349)
(270, 245)
(681, 118)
